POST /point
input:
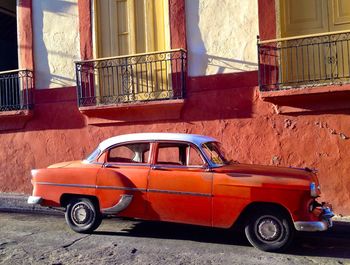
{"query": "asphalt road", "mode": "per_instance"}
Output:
(45, 239)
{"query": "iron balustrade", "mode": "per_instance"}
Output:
(132, 78)
(16, 90)
(305, 61)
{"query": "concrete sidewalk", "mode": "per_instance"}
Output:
(14, 202)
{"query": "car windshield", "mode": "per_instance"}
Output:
(93, 156)
(215, 153)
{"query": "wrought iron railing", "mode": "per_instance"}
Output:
(312, 60)
(16, 90)
(133, 78)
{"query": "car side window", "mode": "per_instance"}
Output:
(129, 153)
(180, 154)
(194, 158)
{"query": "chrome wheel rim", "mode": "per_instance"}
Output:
(81, 214)
(269, 228)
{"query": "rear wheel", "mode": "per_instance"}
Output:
(269, 230)
(83, 215)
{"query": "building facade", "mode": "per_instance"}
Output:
(78, 71)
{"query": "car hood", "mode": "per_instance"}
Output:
(271, 171)
(66, 164)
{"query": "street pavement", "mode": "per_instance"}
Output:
(42, 238)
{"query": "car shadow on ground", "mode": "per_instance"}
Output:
(333, 243)
(166, 230)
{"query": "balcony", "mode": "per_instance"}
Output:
(134, 78)
(306, 73)
(16, 91)
(304, 61)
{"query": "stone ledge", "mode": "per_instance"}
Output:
(134, 112)
(309, 99)
(14, 120)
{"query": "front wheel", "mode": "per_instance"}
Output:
(269, 231)
(82, 215)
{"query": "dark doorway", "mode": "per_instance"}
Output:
(8, 33)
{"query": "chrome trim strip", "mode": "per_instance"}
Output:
(67, 185)
(127, 189)
(167, 166)
(180, 192)
(90, 186)
(122, 204)
(120, 164)
(119, 188)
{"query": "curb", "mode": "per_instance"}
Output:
(17, 203)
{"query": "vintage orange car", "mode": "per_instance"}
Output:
(183, 178)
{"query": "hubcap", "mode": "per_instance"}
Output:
(269, 228)
(81, 214)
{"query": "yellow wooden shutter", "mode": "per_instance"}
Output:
(339, 15)
(130, 26)
(126, 27)
(302, 17)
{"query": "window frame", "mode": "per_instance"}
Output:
(156, 149)
(107, 150)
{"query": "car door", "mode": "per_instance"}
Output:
(124, 173)
(180, 185)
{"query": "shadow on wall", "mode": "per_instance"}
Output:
(197, 54)
(222, 64)
(39, 9)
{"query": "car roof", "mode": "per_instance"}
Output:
(193, 138)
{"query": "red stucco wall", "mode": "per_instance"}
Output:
(227, 107)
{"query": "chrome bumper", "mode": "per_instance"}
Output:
(312, 226)
(34, 200)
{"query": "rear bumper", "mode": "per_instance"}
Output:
(34, 200)
(314, 226)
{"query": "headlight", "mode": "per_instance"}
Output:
(313, 190)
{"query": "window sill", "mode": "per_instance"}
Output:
(15, 119)
(134, 112)
(309, 99)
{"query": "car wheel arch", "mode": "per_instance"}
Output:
(67, 197)
(257, 206)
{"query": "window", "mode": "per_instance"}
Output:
(215, 153)
(315, 59)
(180, 154)
(126, 28)
(194, 158)
(131, 26)
(129, 153)
(313, 49)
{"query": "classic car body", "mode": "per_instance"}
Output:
(182, 178)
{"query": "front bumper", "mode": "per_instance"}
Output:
(34, 200)
(314, 226)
